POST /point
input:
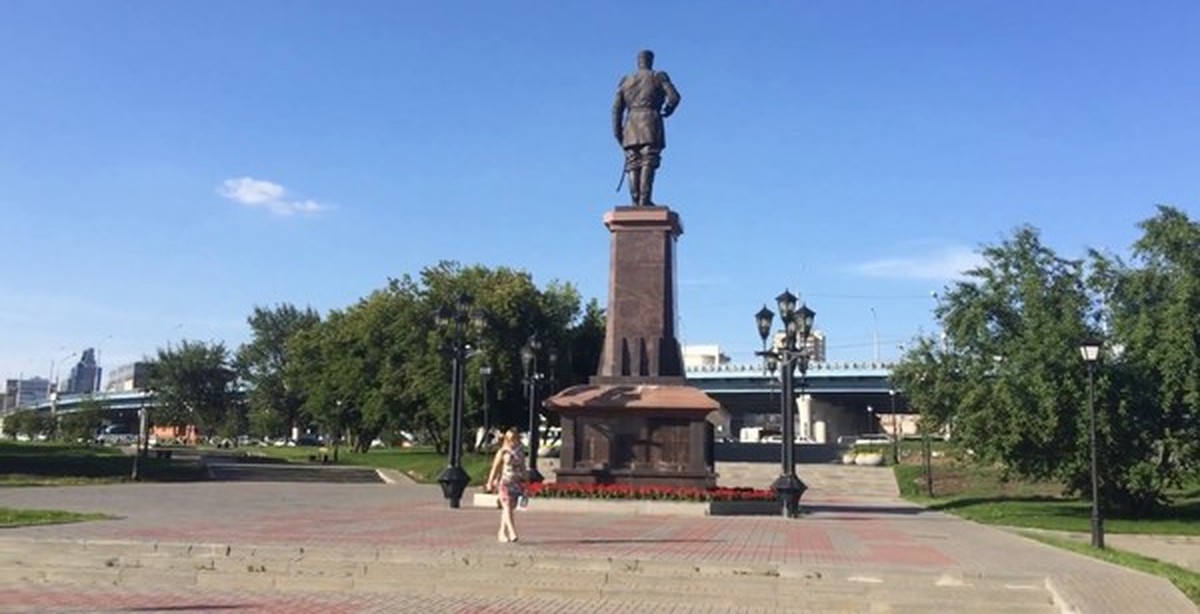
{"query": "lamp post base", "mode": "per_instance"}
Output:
(454, 481)
(789, 489)
(1097, 531)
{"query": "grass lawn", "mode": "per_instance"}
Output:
(979, 494)
(420, 464)
(52, 464)
(49, 464)
(23, 518)
(1188, 582)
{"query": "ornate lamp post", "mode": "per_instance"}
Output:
(791, 355)
(1089, 350)
(529, 360)
(457, 321)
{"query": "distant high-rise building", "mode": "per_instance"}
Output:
(815, 345)
(699, 356)
(127, 378)
(25, 392)
(85, 375)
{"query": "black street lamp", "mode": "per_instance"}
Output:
(485, 372)
(791, 355)
(457, 322)
(1089, 350)
(140, 451)
(926, 446)
(529, 360)
(895, 429)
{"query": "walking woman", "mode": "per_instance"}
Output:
(507, 478)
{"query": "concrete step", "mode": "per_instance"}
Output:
(253, 472)
(509, 571)
(824, 481)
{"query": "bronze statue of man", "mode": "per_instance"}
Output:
(644, 98)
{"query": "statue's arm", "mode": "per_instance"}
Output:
(618, 113)
(673, 96)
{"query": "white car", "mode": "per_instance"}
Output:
(869, 439)
(116, 435)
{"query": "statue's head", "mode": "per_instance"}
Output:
(646, 59)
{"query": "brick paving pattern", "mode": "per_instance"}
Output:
(847, 555)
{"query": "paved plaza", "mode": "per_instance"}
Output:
(320, 547)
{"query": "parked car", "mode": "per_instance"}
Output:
(872, 439)
(116, 435)
(308, 440)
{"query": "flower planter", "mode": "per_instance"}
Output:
(870, 459)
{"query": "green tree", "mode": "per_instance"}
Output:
(1008, 374)
(28, 422)
(932, 378)
(82, 424)
(382, 365)
(192, 385)
(1151, 395)
(1010, 381)
(273, 406)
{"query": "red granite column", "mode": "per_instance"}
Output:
(639, 342)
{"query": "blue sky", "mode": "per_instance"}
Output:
(167, 166)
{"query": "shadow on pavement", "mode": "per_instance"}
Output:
(629, 541)
(894, 510)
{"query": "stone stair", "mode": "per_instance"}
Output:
(508, 572)
(263, 472)
(824, 481)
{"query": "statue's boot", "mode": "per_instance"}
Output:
(645, 187)
(635, 186)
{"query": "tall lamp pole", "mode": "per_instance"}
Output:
(143, 441)
(1089, 350)
(791, 355)
(895, 429)
(457, 322)
(533, 377)
(485, 372)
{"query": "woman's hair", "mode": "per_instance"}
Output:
(511, 436)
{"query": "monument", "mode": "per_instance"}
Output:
(636, 421)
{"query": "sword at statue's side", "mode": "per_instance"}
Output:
(622, 181)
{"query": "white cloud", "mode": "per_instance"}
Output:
(268, 195)
(251, 191)
(940, 265)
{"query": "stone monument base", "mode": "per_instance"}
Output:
(636, 434)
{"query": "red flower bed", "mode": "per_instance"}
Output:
(658, 493)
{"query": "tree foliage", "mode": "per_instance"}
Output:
(1014, 325)
(1008, 378)
(192, 385)
(82, 424)
(261, 363)
(383, 364)
(28, 422)
(1152, 307)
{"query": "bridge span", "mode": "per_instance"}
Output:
(834, 400)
